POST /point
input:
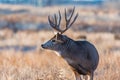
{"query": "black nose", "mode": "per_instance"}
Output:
(42, 45)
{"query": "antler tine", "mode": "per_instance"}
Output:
(74, 19)
(55, 19)
(68, 24)
(68, 20)
(65, 15)
(50, 22)
(59, 18)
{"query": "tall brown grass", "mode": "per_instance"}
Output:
(45, 65)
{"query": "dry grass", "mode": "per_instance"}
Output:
(33, 66)
(108, 68)
(45, 65)
(40, 64)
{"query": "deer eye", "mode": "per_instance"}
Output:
(53, 40)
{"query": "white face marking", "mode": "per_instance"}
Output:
(58, 53)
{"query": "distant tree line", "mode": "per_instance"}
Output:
(50, 2)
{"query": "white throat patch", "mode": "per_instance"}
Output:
(69, 60)
(58, 53)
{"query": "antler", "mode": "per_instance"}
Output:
(68, 24)
(56, 24)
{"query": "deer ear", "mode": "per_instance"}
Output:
(59, 38)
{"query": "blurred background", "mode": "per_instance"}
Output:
(24, 27)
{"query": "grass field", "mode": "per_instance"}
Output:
(22, 58)
(42, 64)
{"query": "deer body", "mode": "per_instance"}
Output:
(82, 56)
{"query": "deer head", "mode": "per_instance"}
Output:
(59, 39)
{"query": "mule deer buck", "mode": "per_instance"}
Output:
(82, 56)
